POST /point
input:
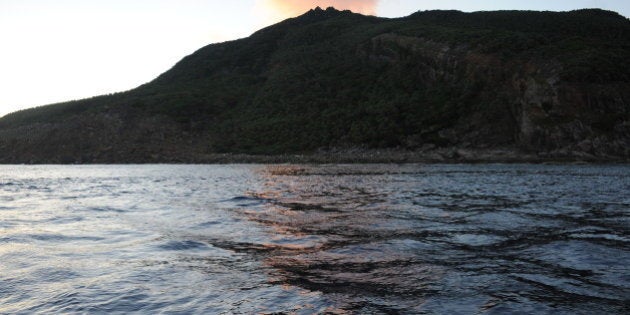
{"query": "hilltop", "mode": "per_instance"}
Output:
(435, 85)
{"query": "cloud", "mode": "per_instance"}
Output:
(291, 8)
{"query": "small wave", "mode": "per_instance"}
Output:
(470, 239)
(244, 201)
(604, 237)
(297, 206)
(567, 290)
(64, 220)
(182, 245)
(28, 238)
(11, 239)
(209, 223)
(297, 242)
(106, 209)
(62, 238)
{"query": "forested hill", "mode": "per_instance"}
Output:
(548, 84)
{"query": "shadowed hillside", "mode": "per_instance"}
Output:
(554, 85)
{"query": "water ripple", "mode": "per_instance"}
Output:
(304, 239)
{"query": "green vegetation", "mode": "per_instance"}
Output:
(334, 78)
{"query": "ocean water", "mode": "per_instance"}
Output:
(305, 239)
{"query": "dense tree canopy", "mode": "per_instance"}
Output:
(335, 78)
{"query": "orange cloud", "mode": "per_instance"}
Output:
(291, 8)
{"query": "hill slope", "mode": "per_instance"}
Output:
(552, 84)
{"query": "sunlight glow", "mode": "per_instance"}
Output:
(282, 9)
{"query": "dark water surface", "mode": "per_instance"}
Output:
(445, 239)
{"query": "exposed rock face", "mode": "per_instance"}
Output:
(541, 112)
(333, 81)
(565, 118)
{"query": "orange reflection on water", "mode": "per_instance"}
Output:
(327, 233)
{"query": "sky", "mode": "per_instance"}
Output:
(59, 50)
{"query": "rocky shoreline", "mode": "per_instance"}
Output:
(447, 155)
(357, 155)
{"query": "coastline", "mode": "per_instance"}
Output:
(397, 156)
(342, 156)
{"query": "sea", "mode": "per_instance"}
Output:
(315, 239)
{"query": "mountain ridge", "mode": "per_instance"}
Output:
(555, 85)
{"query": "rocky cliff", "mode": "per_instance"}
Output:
(438, 84)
